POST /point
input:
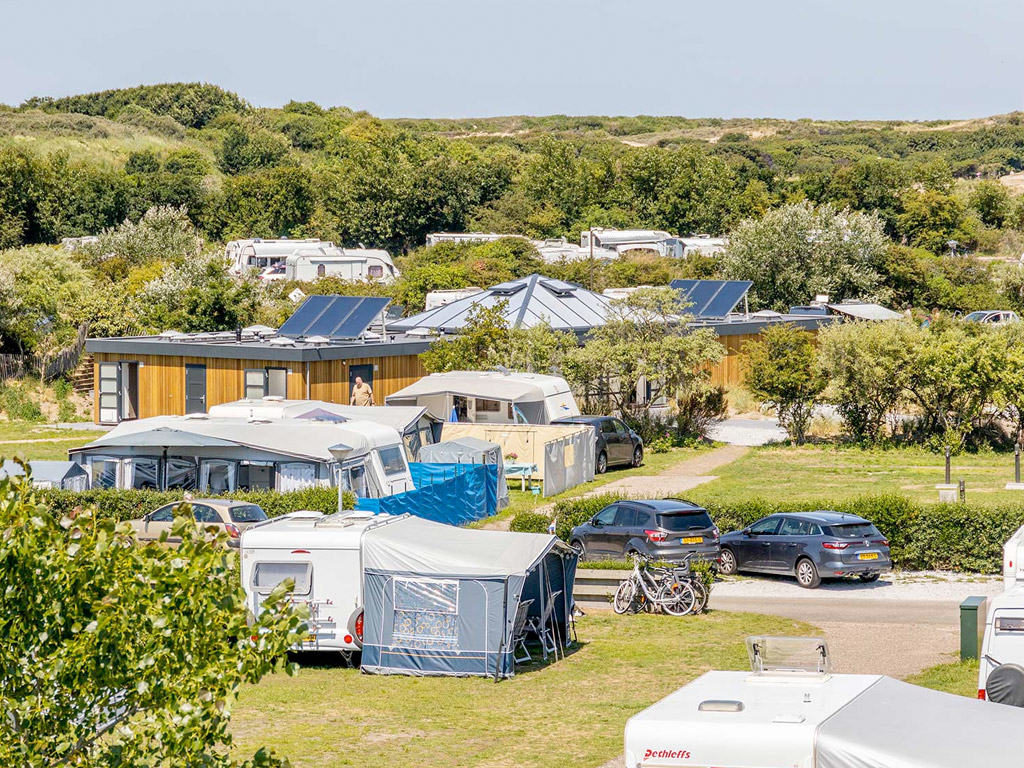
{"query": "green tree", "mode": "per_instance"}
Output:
(117, 654)
(481, 345)
(644, 340)
(783, 371)
(244, 150)
(992, 202)
(163, 233)
(798, 251)
(868, 368)
(931, 219)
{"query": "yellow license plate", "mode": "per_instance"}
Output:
(693, 540)
(310, 639)
(868, 556)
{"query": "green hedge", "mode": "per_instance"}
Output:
(530, 522)
(129, 504)
(953, 537)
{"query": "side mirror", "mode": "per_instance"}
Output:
(747, 532)
(147, 517)
(595, 522)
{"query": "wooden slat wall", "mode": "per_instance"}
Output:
(729, 371)
(162, 379)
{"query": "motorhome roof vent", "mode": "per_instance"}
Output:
(720, 705)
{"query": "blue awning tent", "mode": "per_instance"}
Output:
(471, 450)
(445, 493)
(441, 600)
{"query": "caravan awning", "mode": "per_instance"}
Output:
(424, 548)
(898, 725)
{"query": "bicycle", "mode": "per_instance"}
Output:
(683, 574)
(642, 591)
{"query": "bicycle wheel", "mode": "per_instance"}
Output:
(703, 594)
(625, 595)
(677, 599)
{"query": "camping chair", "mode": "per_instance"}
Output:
(541, 626)
(519, 633)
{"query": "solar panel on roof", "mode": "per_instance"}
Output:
(711, 298)
(337, 317)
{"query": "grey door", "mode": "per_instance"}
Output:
(195, 389)
(624, 530)
(757, 547)
(599, 541)
(788, 544)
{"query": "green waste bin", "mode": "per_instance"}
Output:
(973, 611)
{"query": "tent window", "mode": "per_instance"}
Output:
(180, 473)
(146, 473)
(266, 576)
(104, 473)
(488, 406)
(426, 614)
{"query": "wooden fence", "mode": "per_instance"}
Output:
(46, 367)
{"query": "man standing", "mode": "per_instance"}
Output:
(362, 393)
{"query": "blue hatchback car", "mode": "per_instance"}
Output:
(809, 545)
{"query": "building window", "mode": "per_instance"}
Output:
(266, 382)
(255, 384)
(277, 382)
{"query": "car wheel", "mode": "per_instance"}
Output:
(867, 578)
(602, 463)
(807, 574)
(580, 547)
(638, 456)
(729, 566)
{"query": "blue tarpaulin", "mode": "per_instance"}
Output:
(445, 493)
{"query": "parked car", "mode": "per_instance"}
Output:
(231, 516)
(617, 444)
(992, 317)
(666, 529)
(808, 545)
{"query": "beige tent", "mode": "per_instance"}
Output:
(564, 454)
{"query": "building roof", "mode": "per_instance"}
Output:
(530, 301)
(299, 438)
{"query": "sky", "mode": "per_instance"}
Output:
(826, 59)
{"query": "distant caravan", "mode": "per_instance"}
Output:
(308, 260)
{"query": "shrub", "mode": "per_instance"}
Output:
(18, 405)
(530, 522)
(572, 512)
(122, 504)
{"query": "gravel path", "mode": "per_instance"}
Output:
(739, 431)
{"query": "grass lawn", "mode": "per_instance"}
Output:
(20, 438)
(959, 677)
(820, 472)
(569, 713)
(520, 501)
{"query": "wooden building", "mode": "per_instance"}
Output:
(177, 374)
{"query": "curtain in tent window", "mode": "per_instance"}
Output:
(142, 472)
(295, 475)
(426, 614)
(181, 473)
(103, 472)
(217, 476)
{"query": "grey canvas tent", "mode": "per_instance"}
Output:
(63, 475)
(469, 450)
(441, 600)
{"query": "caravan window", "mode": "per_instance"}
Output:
(375, 271)
(353, 478)
(426, 613)
(266, 576)
(392, 459)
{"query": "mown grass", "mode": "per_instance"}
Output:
(817, 472)
(569, 713)
(959, 677)
(18, 438)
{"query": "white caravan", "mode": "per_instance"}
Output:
(1013, 568)
(489, 397)
(256, 254)
(328, 577)
(349, 264)
(785, 716)
(1001, 669)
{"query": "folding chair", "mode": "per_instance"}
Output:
(540, 627)
(519, 633)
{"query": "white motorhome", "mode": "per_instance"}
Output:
(786, 716)
(489, 397)
(328, 577)
(1013, 568)
(1001, 668)
(350, 264)
(256, 254)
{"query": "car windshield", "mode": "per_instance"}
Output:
(685, 521)
(247, 513)
(853, 530)
(976, 317)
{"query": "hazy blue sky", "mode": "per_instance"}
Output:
(914, 59)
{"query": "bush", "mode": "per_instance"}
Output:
(18, 405)
(530, 522)
(572, 512)
(128, 504)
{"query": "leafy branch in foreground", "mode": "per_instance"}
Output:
(115, 654)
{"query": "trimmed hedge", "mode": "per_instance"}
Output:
(128, 504)
(530, 522)
(947, 537)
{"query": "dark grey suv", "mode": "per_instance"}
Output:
(666, 529)
(617, 444)
(809, 545)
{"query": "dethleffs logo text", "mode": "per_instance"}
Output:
(667, 754)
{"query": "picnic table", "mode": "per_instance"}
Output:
(521, 470)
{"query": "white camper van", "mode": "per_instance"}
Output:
(328, 577)
(785, 716)
(1001, 669)
(1013, 568)
(351, 264)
